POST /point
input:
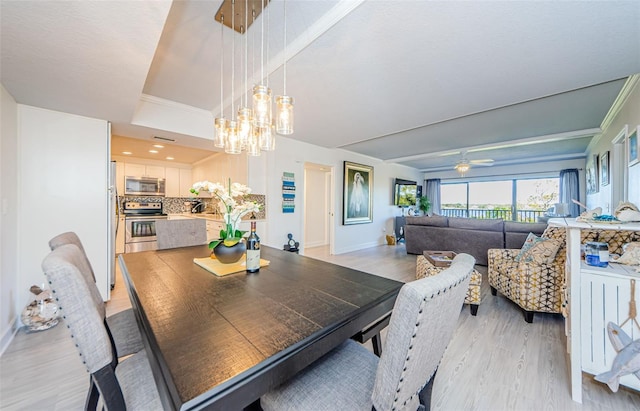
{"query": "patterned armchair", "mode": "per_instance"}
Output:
(540, 287)
(535, 286)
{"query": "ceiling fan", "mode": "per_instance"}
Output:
(464, 164)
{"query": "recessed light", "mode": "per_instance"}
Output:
(153, 151)
(127, 153)
(158, 146)
(169, 158)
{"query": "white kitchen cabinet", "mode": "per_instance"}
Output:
(120, 177)
(213, 229)
(172, 182)
(141, 170)
(134, 170)
(178, 182)
(120, 235)
(154, 171)
(186, 181)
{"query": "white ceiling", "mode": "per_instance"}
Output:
(409, 82)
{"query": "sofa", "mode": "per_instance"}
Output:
(465, 235)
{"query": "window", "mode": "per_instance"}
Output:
(517, 199)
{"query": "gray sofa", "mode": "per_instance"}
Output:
(465, 235)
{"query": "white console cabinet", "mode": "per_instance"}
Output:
(595, 296)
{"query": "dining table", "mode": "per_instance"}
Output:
(220, 342)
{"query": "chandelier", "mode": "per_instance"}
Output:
(253, 129)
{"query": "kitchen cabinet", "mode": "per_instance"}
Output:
(120, 229)
(134, 170)
(213, 229)
(186, 181)
(120, 178)
(178, 182)
(172, 182)
(141, 170)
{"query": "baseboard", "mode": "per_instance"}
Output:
(358, 247)
(315, 244)
(8, 335)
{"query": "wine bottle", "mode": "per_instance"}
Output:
(253, 250)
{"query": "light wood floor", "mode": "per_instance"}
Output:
(495, 360)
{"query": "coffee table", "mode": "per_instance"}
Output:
(424, 268)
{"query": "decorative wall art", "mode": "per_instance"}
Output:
(592, 175)
(604, 169)
(288, 192)
(632, 147)
(358, 194)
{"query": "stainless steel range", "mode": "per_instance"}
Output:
(140, 221)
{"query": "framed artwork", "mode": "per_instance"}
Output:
(632, 147)
(604, 169)
(592, 175)
(358, 194)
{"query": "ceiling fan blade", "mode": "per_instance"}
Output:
(483, 161)
(482, 164)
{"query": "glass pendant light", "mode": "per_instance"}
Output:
(284, 115)
(220, 128)
(220, 124)
(245, 114)
(266, 138)
(253, 145)
(284, 103)
(232, 145)
(262, 105)
(244, 125)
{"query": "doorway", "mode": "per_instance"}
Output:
(318, 208)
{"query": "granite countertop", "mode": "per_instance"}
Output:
(207, 216)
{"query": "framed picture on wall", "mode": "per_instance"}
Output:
(358, 194)
(632, 147)
(592, 175)
(604, 169)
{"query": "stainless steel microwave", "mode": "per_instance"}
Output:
(144, 186)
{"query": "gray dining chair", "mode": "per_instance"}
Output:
(181, 233)
(124, 385)
(352, 378)
(122, 325)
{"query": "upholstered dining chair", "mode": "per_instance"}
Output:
(181, 233)
(127, 385)
(352, 378)
(122, 325)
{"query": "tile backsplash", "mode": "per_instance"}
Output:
(175, 205)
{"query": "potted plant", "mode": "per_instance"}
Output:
(229, 247)
(424, 204)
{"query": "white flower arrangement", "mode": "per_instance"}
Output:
(230, 206)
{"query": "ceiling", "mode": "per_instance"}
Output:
(409, 82)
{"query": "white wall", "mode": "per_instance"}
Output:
(628, 115)
(63, 163)
(290, 156)
(9, 308)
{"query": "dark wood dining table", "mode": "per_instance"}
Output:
(221, 342)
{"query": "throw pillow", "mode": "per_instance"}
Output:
(543, 252)
(528, 243)
(538, 250)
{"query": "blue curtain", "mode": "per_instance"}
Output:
(570, 189)
(432, 191)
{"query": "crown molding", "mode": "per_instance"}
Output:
(629, 86)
